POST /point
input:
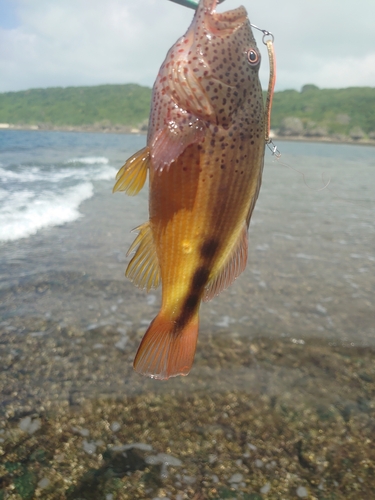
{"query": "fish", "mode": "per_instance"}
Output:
(204, 157)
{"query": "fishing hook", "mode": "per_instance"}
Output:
(265, 34)
(273, 148)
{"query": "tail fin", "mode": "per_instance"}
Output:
(165, 352)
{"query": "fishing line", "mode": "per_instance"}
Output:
(303, 175)
(346, 200)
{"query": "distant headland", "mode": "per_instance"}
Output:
(313, 114)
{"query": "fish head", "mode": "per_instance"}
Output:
(210, 77)
(227, 57)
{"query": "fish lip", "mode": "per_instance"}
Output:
(223, 23)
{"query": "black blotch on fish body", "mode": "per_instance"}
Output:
(192, 300)
(200, 278)
(188, 309)
(209, 248)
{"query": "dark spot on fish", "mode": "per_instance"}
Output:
(200, 278)
(187, 311)
(190, 304)
(209, 248)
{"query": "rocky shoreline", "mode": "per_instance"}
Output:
(124, 129)
(285, 431)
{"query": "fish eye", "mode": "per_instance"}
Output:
(253, 57)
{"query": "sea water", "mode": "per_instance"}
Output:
(46, 176)
(280, 396)
(311, 243)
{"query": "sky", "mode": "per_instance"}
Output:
(60, 43)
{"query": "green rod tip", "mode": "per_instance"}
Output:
(192, 4)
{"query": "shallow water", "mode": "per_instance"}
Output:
(282, 389)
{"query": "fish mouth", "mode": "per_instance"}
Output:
(222, 23)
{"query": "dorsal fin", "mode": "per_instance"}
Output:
(132, 176)
(233, 266)
(143, 269)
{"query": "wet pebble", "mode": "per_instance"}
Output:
(89, 447)
(163, 458)
(82, 432)
(138, 446)
(121, 344)
(266, 488)
(236, 478)
(302, 492)
(321, 309)
(188, 479)
(44, 483)
(151, 299)
(30, 425)
(115, 426)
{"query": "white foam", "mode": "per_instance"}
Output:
(36, 174)
(90, 160)
(23, 214)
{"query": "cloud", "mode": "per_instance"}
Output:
(89, 42)
(83, 43)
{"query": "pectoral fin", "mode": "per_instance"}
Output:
(172, 140)
(132, 176)
(143, 269)
(189, 112)
(233, 266)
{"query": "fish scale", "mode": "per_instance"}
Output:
(204, 155)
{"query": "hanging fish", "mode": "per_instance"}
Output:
(204, 153)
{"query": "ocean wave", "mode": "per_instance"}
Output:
(23, 213)
(90, 160)
(56, 174)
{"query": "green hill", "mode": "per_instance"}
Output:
(311, 112)
(77, 106)
(337, 111)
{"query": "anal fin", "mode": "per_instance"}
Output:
(132, 175)
(143, 269)
(233, 266)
